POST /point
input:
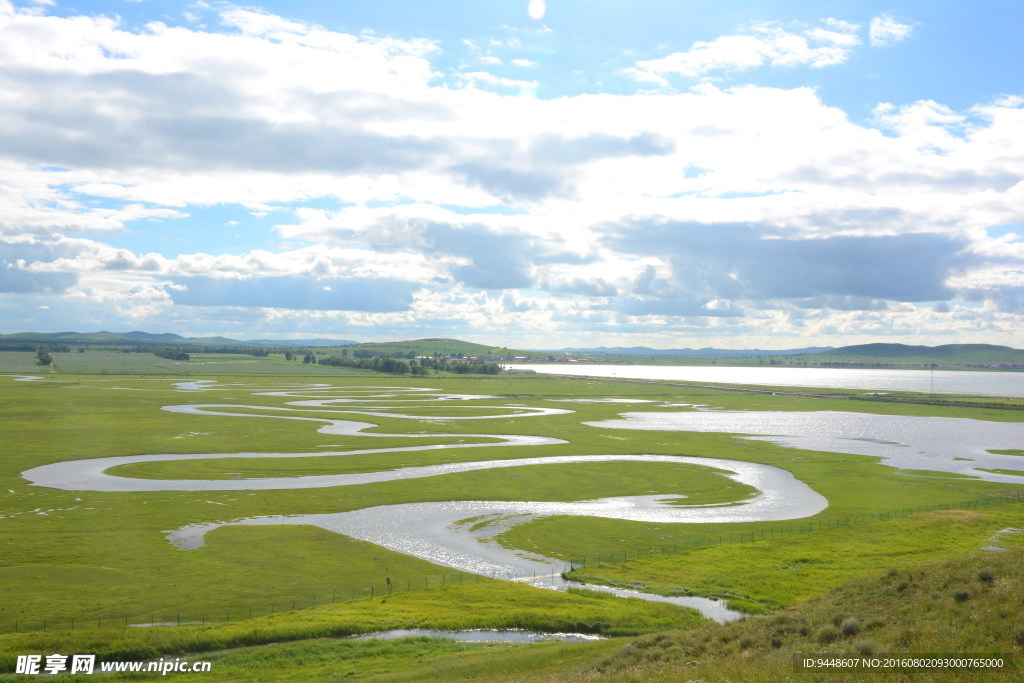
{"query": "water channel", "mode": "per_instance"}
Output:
(460, 534)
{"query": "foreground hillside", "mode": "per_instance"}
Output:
(969, 606)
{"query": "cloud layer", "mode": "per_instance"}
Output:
(405, 199)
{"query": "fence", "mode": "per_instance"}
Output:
(197, 616)
(783, 530)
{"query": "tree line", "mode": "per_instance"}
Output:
(412, 366)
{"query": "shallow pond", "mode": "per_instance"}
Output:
(943, 444)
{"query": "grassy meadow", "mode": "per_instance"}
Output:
(104, 559)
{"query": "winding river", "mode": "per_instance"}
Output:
(459, 534)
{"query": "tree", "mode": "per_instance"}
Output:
(43, 357)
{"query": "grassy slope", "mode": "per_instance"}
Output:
(429, 347)
(487, 603)
(966, 606)
(958, 607)
(803, 565)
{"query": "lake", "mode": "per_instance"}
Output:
(941, 381)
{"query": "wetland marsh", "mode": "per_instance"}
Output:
(147, 493)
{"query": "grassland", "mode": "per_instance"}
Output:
(968, 606)
(101, 556)
(129, 363)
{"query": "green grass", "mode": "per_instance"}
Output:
(579, 481)
(96, 554)
(908, 610)
(965, 606)
(803, 565)
(482, 604)
(115, 363)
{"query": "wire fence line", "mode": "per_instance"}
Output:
(621, 556)
(321, 597)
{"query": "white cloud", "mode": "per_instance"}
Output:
(885, 30)
(764, 44)
(464, 192)
(485, 79)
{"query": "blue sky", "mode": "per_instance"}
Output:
(731, 174)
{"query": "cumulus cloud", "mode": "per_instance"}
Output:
(737, 261)
(420, 192)
(884, 30)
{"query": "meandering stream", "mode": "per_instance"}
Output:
(438, 531)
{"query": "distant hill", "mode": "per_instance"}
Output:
(312, 342)
(418, 347)
(137, 338)
(431, 346)
(706, 352)
(964, 354)
(116, 338)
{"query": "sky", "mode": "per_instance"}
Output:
(746, 174)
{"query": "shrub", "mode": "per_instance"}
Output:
(961, 596)
(986, 576)
(850, 627)
(828, 634)
(864, 646)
